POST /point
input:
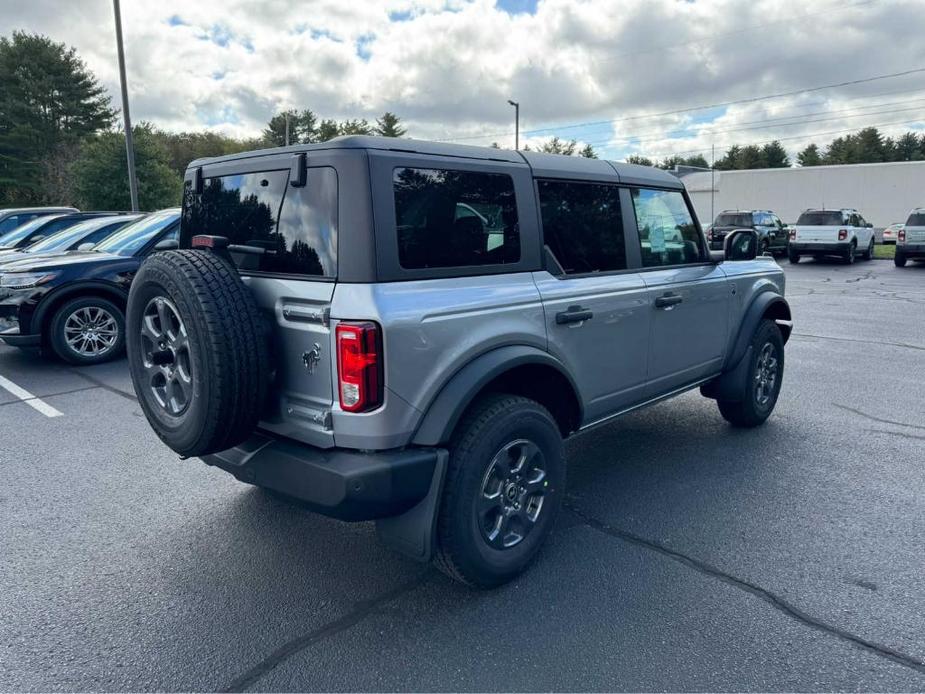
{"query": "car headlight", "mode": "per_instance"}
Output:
(24, 280)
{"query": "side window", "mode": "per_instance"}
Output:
(16, 220)
(448, 218)
(101, 233)
(287, 230)
(667, 232)
(582, 225)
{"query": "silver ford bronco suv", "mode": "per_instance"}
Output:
(406, 332)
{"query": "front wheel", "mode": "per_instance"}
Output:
(869, 253)
(503, 490)
(763, 379)
(89, 330)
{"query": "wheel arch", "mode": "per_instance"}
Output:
(515, 369)
(56, 299)
(766, 305)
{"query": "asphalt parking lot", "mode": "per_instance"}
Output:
(690, 556)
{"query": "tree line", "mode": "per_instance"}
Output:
(60, 143)
(867, 146)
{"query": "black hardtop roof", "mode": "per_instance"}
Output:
(548, 165)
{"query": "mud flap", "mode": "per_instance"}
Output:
(731, 385)
(414, 533)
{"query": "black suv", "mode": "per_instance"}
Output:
(74, 303)
(772, 234)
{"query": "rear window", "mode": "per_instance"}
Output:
(916, 219)
(278, 228)
(583, 226)
(448, 218)
(734, 219)
(821, 219)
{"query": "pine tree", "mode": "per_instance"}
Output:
(810, 156)
(389, 125)
(639, 159)
(775, 156)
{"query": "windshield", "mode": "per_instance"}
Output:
(734, 219)
(19, 233)
(916, 219)
(820, 219)
(134, 237)
(67, 238)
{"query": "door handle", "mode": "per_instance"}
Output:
(574, 314)
(668, 300)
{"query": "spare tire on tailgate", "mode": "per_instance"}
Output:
(197, 351)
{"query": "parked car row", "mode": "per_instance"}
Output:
(841, 233)
(64, 278)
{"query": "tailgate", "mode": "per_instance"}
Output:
(810, 234)
(301, 391)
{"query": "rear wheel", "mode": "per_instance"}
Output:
(793, 257)
(88, 330)
(764, 248)
(899, 260)
(851, 254)
(503, 490)
(763, 379)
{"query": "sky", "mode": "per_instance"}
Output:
(627, 76)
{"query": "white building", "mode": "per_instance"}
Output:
(882, 193)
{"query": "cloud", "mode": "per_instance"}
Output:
(449, 66)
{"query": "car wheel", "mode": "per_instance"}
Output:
(763, 379)
(88, 330)
(765, 247)
(793, 257)
(197, 351)
(503, 490)
(899, 260)
(869, 253)
(851, 254)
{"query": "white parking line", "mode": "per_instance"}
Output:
(29, 399)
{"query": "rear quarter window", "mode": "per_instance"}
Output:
(448, 218)
(277, 228)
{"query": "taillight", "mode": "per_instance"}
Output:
(359, 366)
(793, 234)
(902, 235)
(842, 234)
(709, 235)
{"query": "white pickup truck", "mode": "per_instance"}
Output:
(843, 233)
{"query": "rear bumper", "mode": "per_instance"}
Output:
(834, 248)
(911, 250)
(18, 340)
(345, 484)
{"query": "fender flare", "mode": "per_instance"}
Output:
(753, 315)
(73, 290)
(445, 410)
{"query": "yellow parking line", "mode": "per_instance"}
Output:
(29, 399)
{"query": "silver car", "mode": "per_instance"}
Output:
(406, 332)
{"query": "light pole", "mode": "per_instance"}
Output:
(516, 106)
(129, 144)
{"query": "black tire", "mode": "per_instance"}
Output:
(869, 253)
(221, 365)
(750, 410)
(851, 254)
(899, 260)
(466, 553)
(101, 341)
(764, 247)
(793, 257)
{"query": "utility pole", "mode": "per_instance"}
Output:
(129, 144)
(712, 182)
(516, 106)
(287, 128)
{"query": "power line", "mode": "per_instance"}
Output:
(722, 104)
(807, 118)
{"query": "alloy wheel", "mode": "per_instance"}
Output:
(91, 331)
(166, 356)
(766, 372)
(512, 494)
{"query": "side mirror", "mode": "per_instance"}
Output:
(166, 245)
(86, 246)
(36, 239)
(741, 244)
(870, 226)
